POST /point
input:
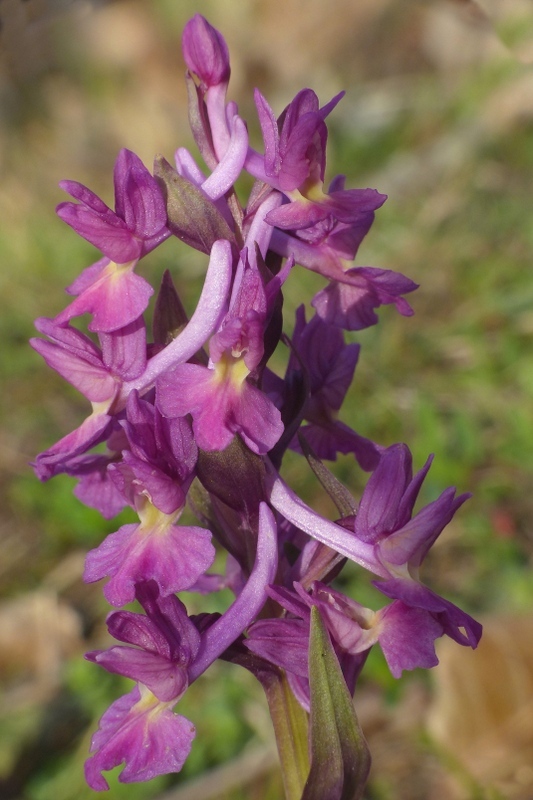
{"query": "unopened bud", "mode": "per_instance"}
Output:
(205, 52)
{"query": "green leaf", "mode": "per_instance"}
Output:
(340, 759)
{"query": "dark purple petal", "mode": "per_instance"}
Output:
(378, 510)
(411, 543)
(407, 637)
(350, 301)
(351, 205)
(327, 440)
(303, 157)
(456, 623)
(283, 642)
(169, 616)
(296, 215)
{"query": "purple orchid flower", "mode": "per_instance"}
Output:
(140, 728)
(294, 163)
(138, 223)
(144, 734)
(160, 460)
(109, 289)
(402, 542)
(386, 540)
(221, 398)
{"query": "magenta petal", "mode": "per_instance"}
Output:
(80, 192)
(89, 378)
(92, 431)
(88, 276)
(124, 350)
(109, 234)
(117, 298)
(183, 389)
(257, 420)
(138, 198)
(175, 558)
(149, 741)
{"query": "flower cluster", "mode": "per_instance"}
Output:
(197, 412)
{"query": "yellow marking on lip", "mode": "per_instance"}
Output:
(231, 370)
(153, 520)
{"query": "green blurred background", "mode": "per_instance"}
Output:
(438, 115)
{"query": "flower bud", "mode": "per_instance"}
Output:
(205, 52)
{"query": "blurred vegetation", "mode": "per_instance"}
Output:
(450, 139)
